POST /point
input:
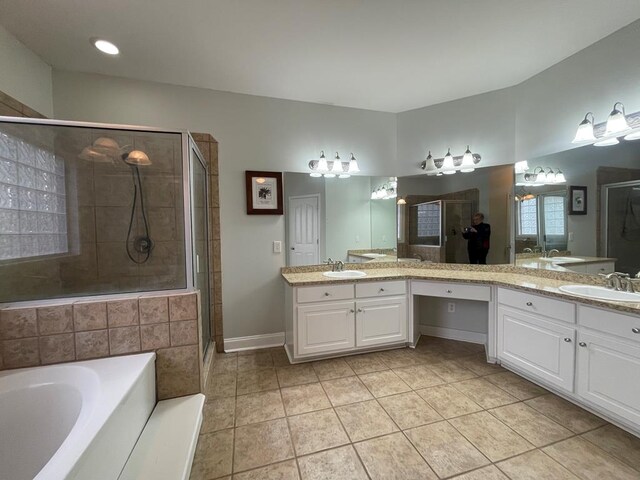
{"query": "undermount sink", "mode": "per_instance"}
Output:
(345, 274)
(561, 259)
(374, 255)
(600, 293)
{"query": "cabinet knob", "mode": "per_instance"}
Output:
(352, 311)
(582, 344)
(635, 330)
(529, 304)
(567, 339)
(326, 294)
(449, 291)
(381, 290)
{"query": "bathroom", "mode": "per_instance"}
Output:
(525, 118)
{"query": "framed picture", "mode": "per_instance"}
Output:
(577, 200)
(264, 193)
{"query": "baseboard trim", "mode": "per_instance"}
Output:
(254, 342)
(453, 334)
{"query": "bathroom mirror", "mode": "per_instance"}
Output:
(338, 218)
(438, 209)
(592, 219)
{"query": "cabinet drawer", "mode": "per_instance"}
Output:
(556, 309)
(610, 322)
(451, 290)
(380, 289)
(325, 293)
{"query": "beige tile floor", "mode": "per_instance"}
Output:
(439, 411)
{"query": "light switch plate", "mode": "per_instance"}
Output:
(277, 246)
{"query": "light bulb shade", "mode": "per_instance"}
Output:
(448, 168)
(607, 142)
(468, 165)
(337, 165)
(401, 201)
(137, 158)
(329, 175)
(344, 175)
(617, 122)
(585, 130)
(107, 146)
(322, 164)
(560, 178)
(315, 174)
(633, 136)
(92, 155)
(541, 177)
(353, 165)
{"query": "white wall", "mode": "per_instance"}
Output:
(24, 75)
(255, 133)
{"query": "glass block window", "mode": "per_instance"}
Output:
(554, 215)
(528, 216)
(33, 207)
(429, 220)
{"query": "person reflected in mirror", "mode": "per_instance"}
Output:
(477, 236)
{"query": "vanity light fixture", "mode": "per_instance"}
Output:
(333, 168)
(401, 201)
(386, 190)
(539, 177)
(337, 165)
(353, 164)
(105, 46)
(521, 166)
(450, 164)
(560, 177)
(604, 134)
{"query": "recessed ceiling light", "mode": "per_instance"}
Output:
(105, 46)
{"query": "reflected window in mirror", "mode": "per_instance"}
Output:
(542, 221)
(426, 220)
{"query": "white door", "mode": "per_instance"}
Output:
(542, 348)
(381, 321)
(609, 375)
(325, 327)
(304, 230)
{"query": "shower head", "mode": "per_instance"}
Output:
(136, 158)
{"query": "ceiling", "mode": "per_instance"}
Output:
(386, 55)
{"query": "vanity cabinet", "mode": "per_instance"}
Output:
(341, 318)
(536, 335)
(609, 361)
(591, 268)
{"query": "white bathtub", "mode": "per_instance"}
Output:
(74, 421)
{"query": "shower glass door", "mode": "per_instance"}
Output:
(200, 239)
(621, 225)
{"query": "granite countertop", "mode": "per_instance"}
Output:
(536, 262)
(544, 282)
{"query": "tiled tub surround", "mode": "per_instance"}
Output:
(95, 327)
(437, 411)
(543, 282)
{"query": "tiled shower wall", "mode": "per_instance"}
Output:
(93, 328)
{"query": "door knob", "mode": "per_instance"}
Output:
(360, 310)
(582, 344)
(567, 339)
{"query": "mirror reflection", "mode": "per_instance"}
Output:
(588, 224)
(461, 218)
(349, 220)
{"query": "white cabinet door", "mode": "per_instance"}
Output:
(602, 267)
(536, 345)
(381, 321)
(326, 327)
(609, 375)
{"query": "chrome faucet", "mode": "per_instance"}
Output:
(527, 250)
(619, 281)
(338, 266)
(550, 253)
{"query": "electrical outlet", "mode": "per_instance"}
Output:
(277, 246)
(571, 236)
(451, 307)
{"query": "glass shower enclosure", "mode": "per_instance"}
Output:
(95, 209)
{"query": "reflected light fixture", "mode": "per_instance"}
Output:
(322, 163)
(447, 166)
(607, 142)
(337, 165)
(105, 46)
(617, 122)
(633, 136)
(353, 164)
(560, 177)
(585, 130)
(468, 165)
(401, 201)
(429, 165)
(521, 166)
